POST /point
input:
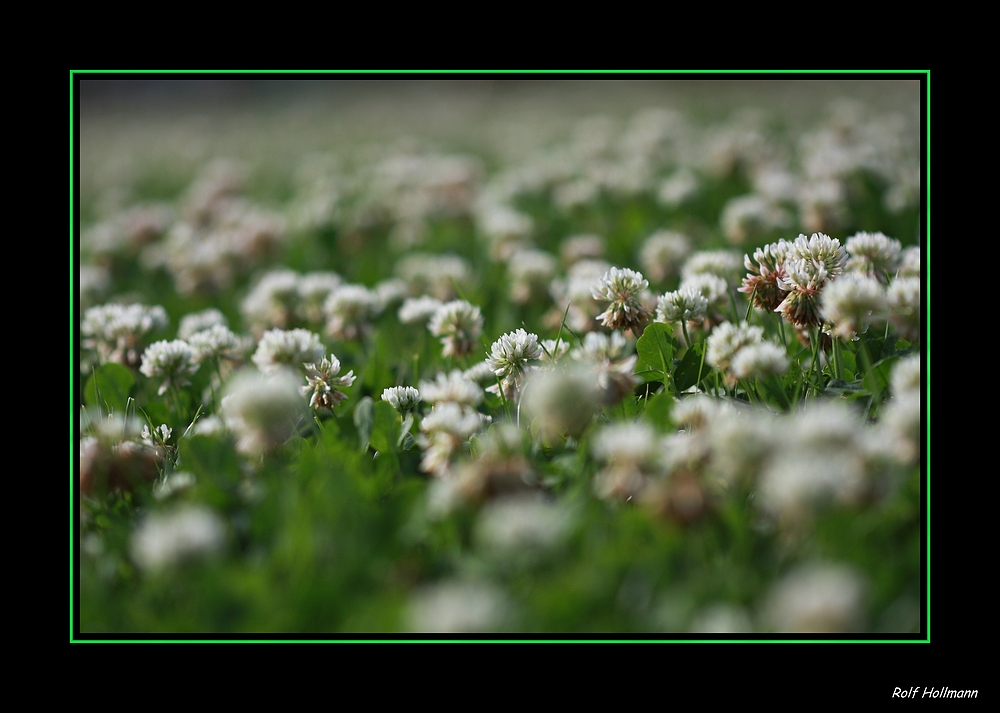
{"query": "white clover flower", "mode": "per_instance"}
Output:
(417, 310)
(598, 346)
(218, 342)
(621, 287)
(272, 301)
(445, 432)
(683, 305)
(750, 216)
(697, 411)
(198, 321)
(529, 272)
(278, 348)
(759, 361)
(516, 525)
(510, 356)
(552, 349)
(633, 443)
(817, 598)
(262, 409)
(724, 264)
(457, 607)
(314, 289)
(903, 299)
(436, 275)
(581, 247)
(851, 303)
(874, 255)
(560, 402)
(164, 539)
(727, 339)
(910, 262)
(117, 332)
(678, 188)
(459, 324)
(453, 387)
(390, 291)
(324, 384)
(663, 253)
(402, 398)
(481, 373)
(906, 377)
(713, 288)
(349, 311)
(764, 272)
(821, 249)
(174, 361)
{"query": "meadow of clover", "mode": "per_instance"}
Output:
(513, 359)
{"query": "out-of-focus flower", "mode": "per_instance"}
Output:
(172, 360)
(446, 432)
(561, 401)
(727, 339)
(324, 384)
(456, 607)
(817, 598)
(118, 332)
(663, 253)
(454, 387)
(903, 300)
(529, 272)
(874, 255)
(164, 539)
(262, 409)
(852, 302)
(418, 309)
(459, 324)
(199, 321)
(278, 348)
(621, 288)
(349, 311)
(759, 361)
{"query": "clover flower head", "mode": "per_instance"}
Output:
(683, 305)
(906, 376)
(821, 249)
(173, 360)
(218, 342)
(459, 324)
(314, 288)
(262, 409)
(418, 309)
(165, 538)
(816, 598)
(764, 272)
(199, 321)
(453, 387)
(712, 287)
(851, 303)
(324, 384)
(510, 356)
(727, 339)
(349, 310)
(759, 361)
(481, 373)
(552, 349)
(903, 299)
(910, 262)
(402, 398)
(663, 253)
(117, 332)
(622, 287)
(445, 432)
(874, 254)
(529, 272)
(278, 348)
(724, 264)
(272, 301)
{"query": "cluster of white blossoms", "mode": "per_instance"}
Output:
(323, 385)
(349, 311)
(117, 332)
(621, 287)
(445, 432)
(603, 357)
(417, 310)
(510, 358)
(278, 348)
(172, 360)
(874, 254)
(663, 253)
(453, 387)
(164, 539)
(851, 303)
(459, 324)
(682, 305)
(262, 410)
(401, 398)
